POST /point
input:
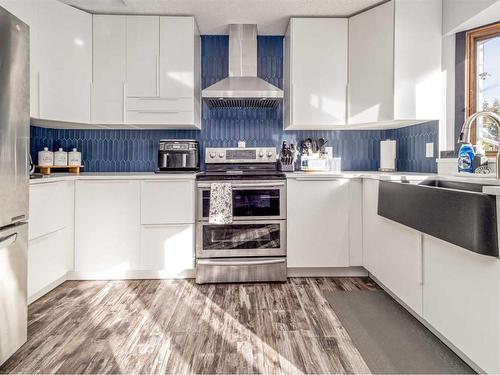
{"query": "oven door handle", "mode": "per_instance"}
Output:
(239, 262)
(250, 185)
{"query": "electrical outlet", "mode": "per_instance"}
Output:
(429, 150)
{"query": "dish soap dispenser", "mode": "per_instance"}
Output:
(466, 158)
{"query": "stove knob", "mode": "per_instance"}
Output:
(221, 155)
(213, 155)
(269, 154)
(261, 154)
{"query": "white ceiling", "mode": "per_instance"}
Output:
(213, 16)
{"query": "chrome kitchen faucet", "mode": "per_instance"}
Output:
(465, 133)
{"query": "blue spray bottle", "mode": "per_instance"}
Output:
(466, 158)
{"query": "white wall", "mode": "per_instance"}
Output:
(459, 15)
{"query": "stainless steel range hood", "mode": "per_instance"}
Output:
(242, 88)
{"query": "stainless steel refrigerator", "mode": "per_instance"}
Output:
(14, 182)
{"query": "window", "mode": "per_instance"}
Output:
(483, 82)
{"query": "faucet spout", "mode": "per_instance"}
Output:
(465, 134)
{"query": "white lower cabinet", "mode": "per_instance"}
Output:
(462, 300)
(107, 223)
(167, 248)
(132, 228)
(392, 252)
(317, 223)
(51, 230)
(167, 202)
(48, 261)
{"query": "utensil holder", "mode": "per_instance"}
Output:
(286, 167)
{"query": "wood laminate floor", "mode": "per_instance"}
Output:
(176, 326)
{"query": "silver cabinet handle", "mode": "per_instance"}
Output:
(158, 75)
(164, 98)
(158, 111)
(124, 102)
(8, 240)
(318, 178)
(240, 262)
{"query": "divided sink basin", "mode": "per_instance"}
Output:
(454, 211)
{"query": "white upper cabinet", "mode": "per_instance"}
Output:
(64, 63)
(177, 51)
(315, 73)
(110, 69)
(143, 56)
(417, 59)
(371, 65)
(169, 95)
(395, 62)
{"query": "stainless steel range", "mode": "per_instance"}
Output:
(253, 247)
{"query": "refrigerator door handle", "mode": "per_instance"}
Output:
(8, 240)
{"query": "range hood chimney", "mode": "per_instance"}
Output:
(242, 89)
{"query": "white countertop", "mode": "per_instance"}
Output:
(113, 176)
(494, 189)
(361, 174)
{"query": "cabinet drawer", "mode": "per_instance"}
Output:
(167, 202)
(49, 204)
(168, 248)
(48, 260)
(160, 104)
(163, 117)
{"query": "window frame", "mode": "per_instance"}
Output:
(471, 39)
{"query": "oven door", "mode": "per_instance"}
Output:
(241, 239)
(251, 200)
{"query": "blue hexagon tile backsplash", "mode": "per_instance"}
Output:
(135, 150)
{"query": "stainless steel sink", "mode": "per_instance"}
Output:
(454, 211)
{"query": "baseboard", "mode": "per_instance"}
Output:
(46, 289)
(131, 275)
(427, 325)
(328, 272)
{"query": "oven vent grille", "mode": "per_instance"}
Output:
(266, 103)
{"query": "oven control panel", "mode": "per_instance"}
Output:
(240, 155)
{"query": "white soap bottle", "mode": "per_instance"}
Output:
(75, 158)
(60, 158)
(45, 158)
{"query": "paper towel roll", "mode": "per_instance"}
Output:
(388, 155)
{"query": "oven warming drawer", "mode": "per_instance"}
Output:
(231, 270)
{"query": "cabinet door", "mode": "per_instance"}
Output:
(371, 65)
(317, 223)
(27, 11)
(48, 260)
(318, 71)
(177, 57)
(107, 228)
(392, 252)
(168, 248)
(417, 59)
(109, 72)
(65, 63)
(143, 54)
(167, 202)
(462, 300)
(51, 207)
